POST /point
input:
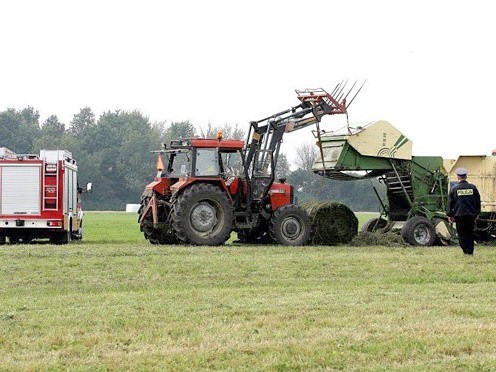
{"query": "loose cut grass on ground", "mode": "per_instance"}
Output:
(114, 301)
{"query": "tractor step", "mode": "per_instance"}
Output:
(241, 220)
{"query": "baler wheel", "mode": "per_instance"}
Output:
(290, 225)
(419, 231)
(202, 215)
(374, 224)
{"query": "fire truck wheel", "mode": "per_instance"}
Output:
(16, 239)
(62, 237)
(202, 215)
(420, 231)
(290, 225)
(2, 239)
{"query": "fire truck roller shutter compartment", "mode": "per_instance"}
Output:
(20, 189)
(70, 184)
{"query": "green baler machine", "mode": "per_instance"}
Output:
(416, 186)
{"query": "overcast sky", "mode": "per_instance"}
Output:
(430, 65)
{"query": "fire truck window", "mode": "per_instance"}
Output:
(180, 165)
(207, 163)
(232, 163)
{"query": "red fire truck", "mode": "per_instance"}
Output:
(39, 197)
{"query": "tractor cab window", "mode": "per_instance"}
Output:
(207, 162)
(231, 163)
(179, 164)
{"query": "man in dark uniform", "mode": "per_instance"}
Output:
(463, 208)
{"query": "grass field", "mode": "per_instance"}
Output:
(114, 301)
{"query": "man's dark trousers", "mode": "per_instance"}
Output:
(465, 228)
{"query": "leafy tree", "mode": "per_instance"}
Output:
(83, 119)
(228, 131)
(115, 156)
(29, 129)
(282, 169)
(9, 128)
(306, 156)
(178, 130)
(52, 135)
(18, 129)
(53, 126)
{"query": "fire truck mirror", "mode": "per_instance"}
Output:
(89, 187)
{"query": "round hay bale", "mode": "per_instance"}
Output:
(332, 223)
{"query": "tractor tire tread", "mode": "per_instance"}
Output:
(279, 214)
(182, 203)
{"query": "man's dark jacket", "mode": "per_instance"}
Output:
(464, 200)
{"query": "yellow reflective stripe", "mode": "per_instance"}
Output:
(464, 192)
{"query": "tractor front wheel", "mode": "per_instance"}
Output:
(202, 215)
(419, 231)
(163, 234)
(290, 225)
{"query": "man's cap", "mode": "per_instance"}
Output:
(461, 171)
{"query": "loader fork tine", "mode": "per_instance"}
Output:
(356, 94)
(349, 91)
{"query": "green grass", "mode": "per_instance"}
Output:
(116, 302)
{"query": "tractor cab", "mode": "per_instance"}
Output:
(199, 157)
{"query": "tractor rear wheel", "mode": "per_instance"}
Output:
(202, 215)
(374, 224)
(419, 231)
(290, 225)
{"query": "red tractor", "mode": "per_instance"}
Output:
(211, 187)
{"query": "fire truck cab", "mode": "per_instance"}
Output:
(39, 197)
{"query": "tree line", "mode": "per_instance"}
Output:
(113, 152)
